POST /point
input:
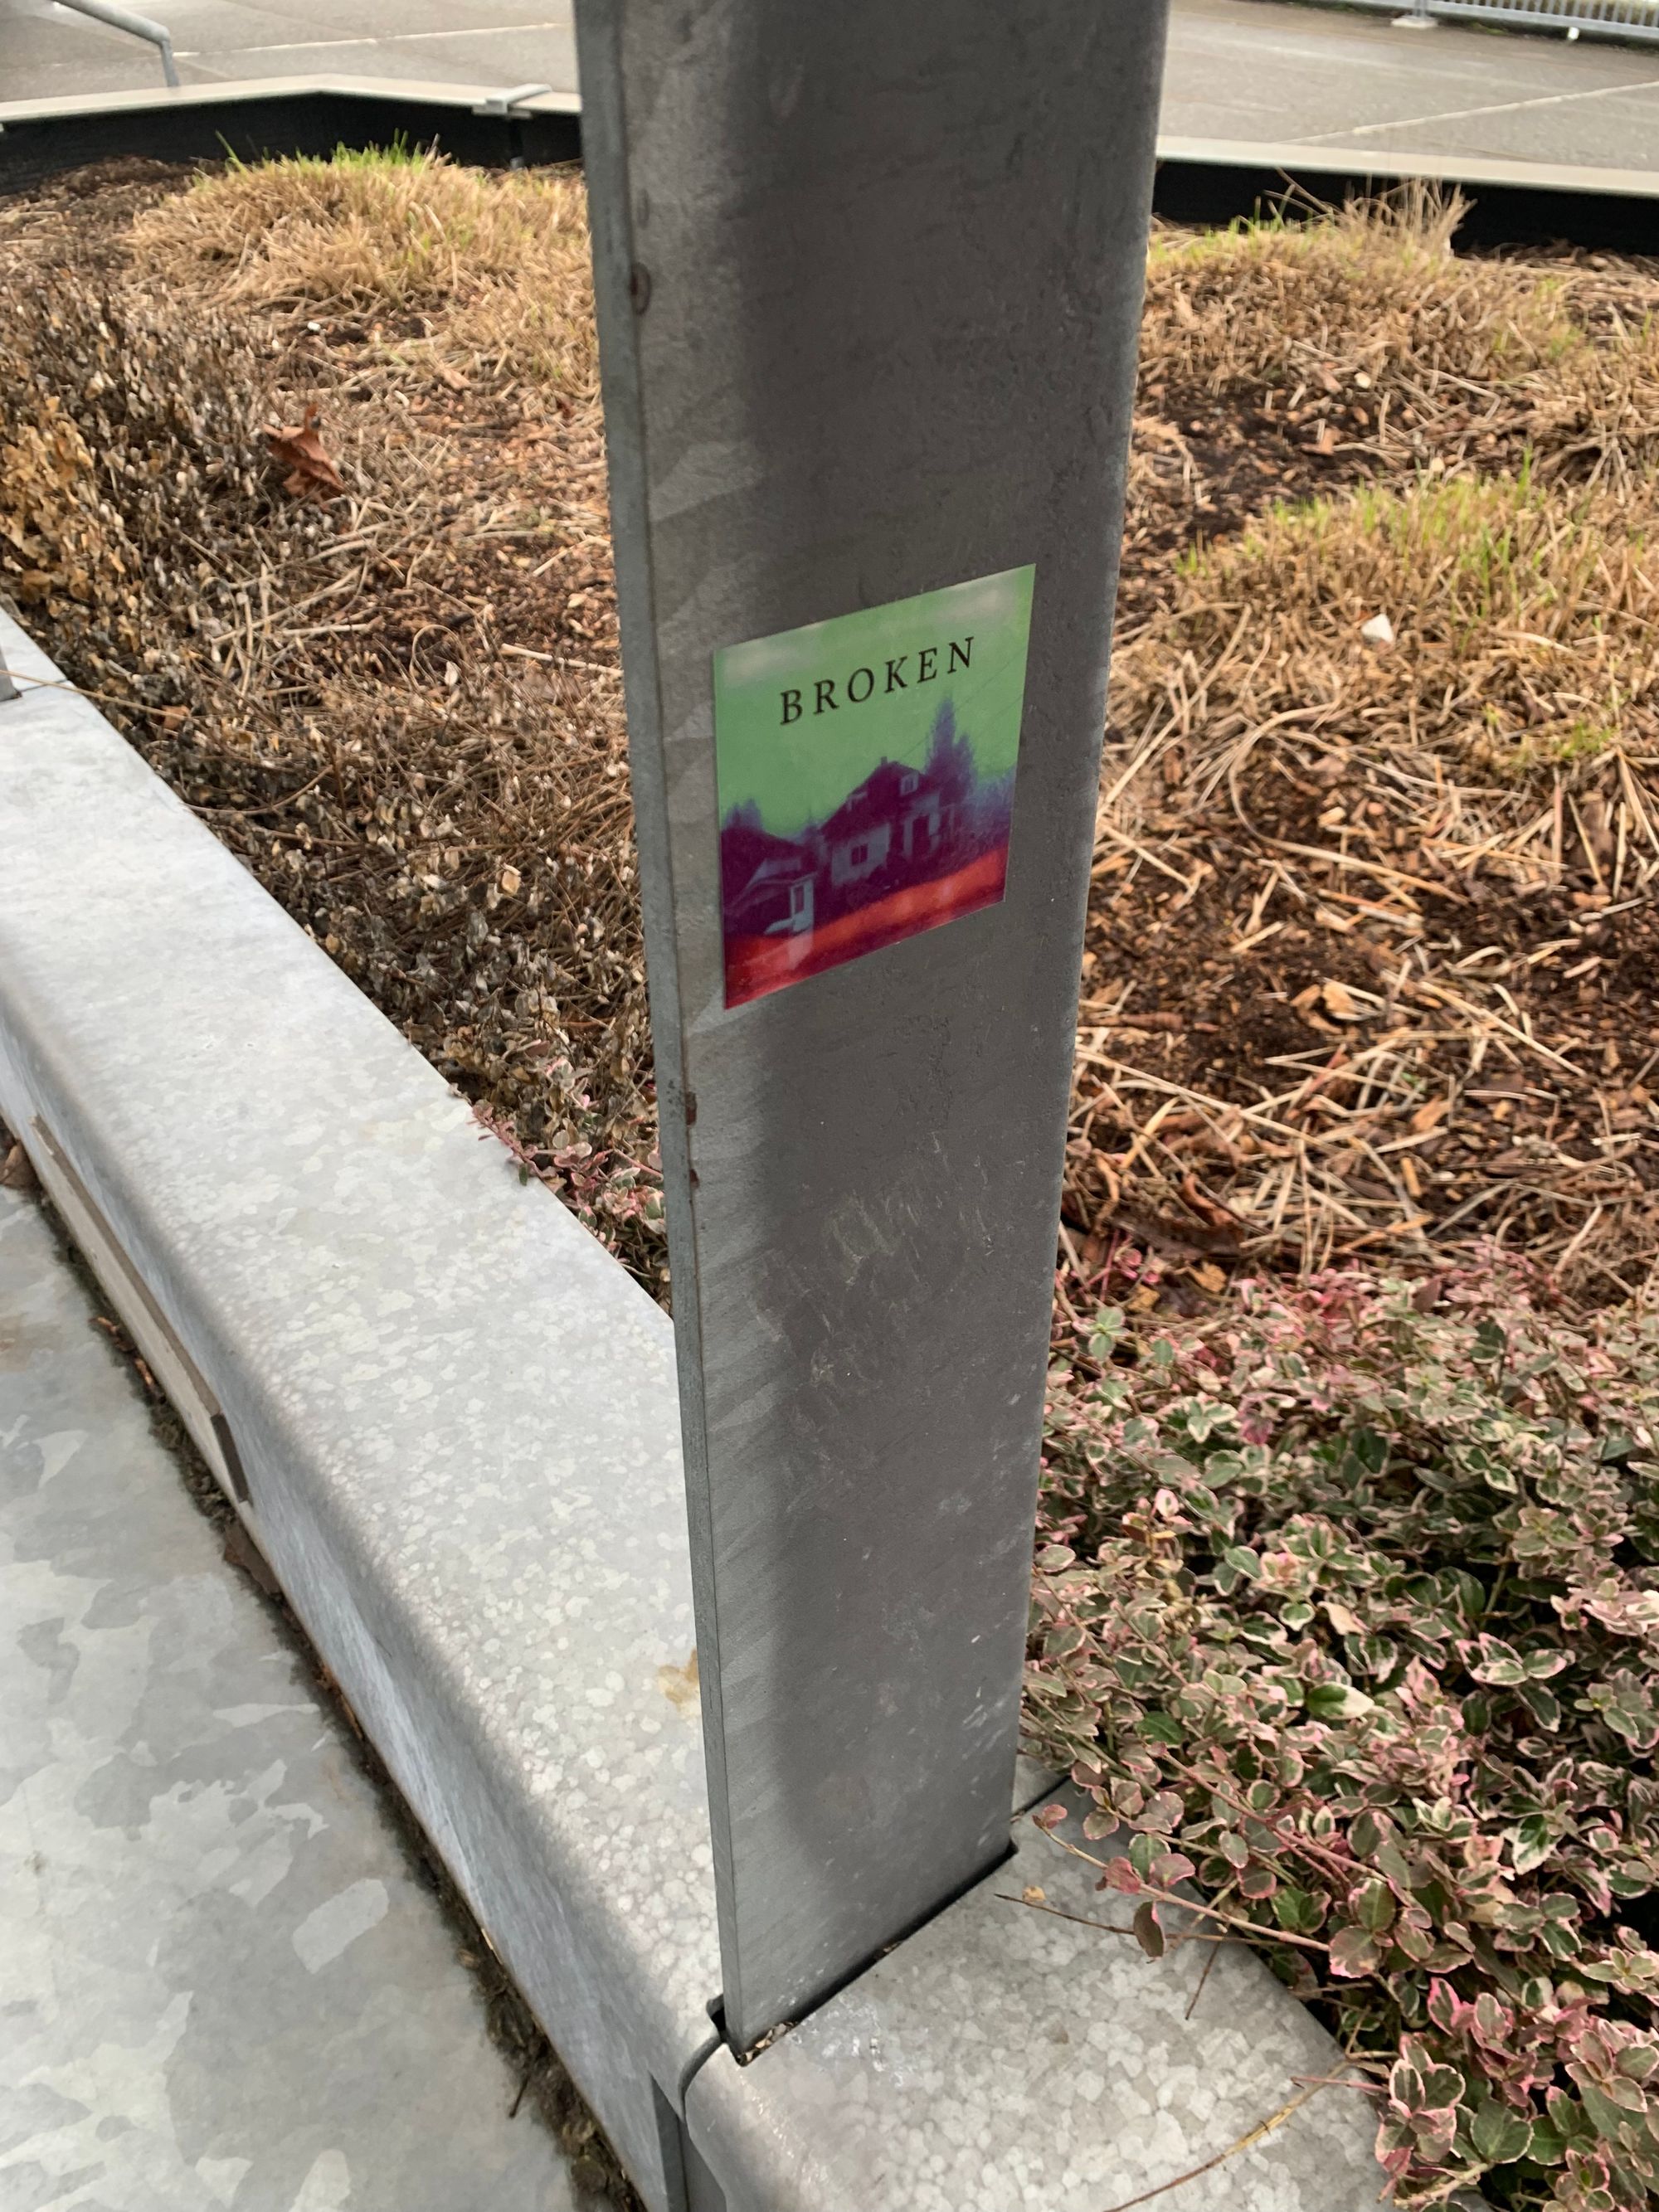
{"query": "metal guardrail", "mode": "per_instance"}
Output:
(137, 26)
(1606, 19)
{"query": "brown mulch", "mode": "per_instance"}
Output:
(1332, 1006)
(1323, 1086)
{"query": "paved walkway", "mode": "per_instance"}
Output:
(1253, 70)
(220, 1985)
(1306, 76)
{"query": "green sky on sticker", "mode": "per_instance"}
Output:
(801, 772)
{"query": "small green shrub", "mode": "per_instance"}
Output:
(1347, 1607)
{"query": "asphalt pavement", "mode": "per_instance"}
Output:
(1258, 72)
(1250, 70)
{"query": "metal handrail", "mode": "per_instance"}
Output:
(138, 26)
(1607, 19)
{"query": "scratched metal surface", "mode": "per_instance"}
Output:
(221, 1984)
(869, 279)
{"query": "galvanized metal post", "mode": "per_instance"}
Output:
(869, 278)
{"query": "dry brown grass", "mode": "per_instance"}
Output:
(1443, 359)
(1375, 292)
(1523, 682)
(1401, 890)
(1281, 360)
(1373, 946)
(470, 266)
(400, 706)
(131, 487)
(1372, 940)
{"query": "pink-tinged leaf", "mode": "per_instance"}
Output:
(1395, 1867)
(1406, 2085)
(1500, 2136)
(1493, 2021)
(1414, 1934)
(1162, 1812)
(1373, 1906)
(1530, 1841)
(1354, 1953)
(1393, 2151)
(1545, 2147)
(1370, 1832)
(1498, 1662)
(1298, 1909)
(1050, 1816)
(1120, 1875)
(1436, 2130)
(1446, 2008)
(1171, 1867)
(1148, 1934)
(1443, 2088)
(1566, 2117)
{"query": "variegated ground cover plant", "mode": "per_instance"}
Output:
(1347, 1611)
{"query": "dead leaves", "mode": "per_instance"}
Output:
(59, 542)
(299, 449)
(16, 1169)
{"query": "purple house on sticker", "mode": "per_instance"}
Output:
(894, 829)
(895, 820)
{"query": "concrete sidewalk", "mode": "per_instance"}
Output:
(221, 1983)
(1250, 70)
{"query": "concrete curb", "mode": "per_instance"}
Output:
(456, 1424)
(256, 117)
(232, 92)
(1337, 164)
(1204, 180)
(455, 1414)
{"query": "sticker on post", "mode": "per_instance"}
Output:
(866, 774)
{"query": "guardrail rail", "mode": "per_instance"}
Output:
(1606, 19)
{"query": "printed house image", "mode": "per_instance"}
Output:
(864, 768)
(897, 819)
(908, 848)
(768, 884)
(896, 814)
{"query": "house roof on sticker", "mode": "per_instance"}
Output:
(879, 799)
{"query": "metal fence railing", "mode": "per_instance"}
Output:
(137, 26)
(1607, 19)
